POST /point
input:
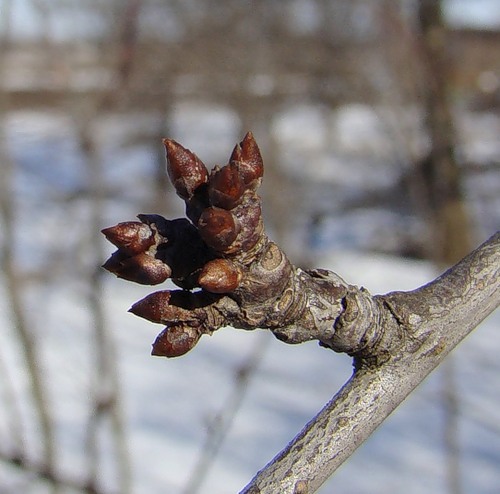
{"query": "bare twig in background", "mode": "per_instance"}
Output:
(14, 291)
(11, 399)
(451, 429)
(221, 423)
(105, 388)
(13, 411)
(440, 175)
(107, 402)
(14, 288)
(39, 471)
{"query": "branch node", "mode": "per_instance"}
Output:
(301, 487)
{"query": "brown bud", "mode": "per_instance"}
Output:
(169, 306)
(220, 276)
(175, 341)
(131, 237)
(186, 171)
(218, 228)
(226, 187)
(152, 307)
(142, 268)
(247, 155)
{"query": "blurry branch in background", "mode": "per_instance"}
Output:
(127, 41)
(106, 412)
(440, 174)
(12, 409)
(38, 470)
(10, 398)
(221, 423)
(14, 287)
(105, 389)
(107, 401)
(122, 48)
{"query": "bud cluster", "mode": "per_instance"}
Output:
(213, 251)
(135, 258)
(222, 204)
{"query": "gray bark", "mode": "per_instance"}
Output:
(431, 321)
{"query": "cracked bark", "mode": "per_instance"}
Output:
(230, 273)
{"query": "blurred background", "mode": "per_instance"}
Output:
(379, 124)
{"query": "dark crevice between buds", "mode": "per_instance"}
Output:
(191, 300)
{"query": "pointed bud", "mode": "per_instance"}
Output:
(186, 171)
(152, 307)
(218, 228)
(226, 187)
(175, 341)
(142, 268)
(220, 276)
(236, 154)
(131, 237)
(247, 155)
(167, 306)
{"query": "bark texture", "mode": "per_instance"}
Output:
(428, 322)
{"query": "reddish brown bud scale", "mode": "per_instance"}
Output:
(247, 155)
(175, 341)
(165, 307)
(220, 276)
(142, 268)
(152, 307)
(186, 171)
(131, 237)
(236, 154)
(226, 187)
(218, 228)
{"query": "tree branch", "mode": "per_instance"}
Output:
(433, 320)
(232, 274)
(246, 280)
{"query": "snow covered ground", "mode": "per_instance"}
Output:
(170, 404)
